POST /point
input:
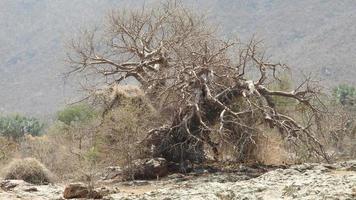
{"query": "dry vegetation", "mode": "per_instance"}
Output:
(29, 170)
(216, 91)
(309, 35)
(80, 150)
(198, 98)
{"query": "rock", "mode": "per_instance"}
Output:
(354, 192)
(19, 189)
(31, 189)
(143, 169)
(184, 167)
(303, 167)
(226, 195)
(9, 184)
(306, 181)
(106, 190)
(113, 172)
(350, 165)
(79, 190)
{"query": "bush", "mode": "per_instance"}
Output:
(16, 126)
(29, 170)
(7, 150)
(123, 128)
(345, 94)
(51, 150)
(77, 151)
(76, 113)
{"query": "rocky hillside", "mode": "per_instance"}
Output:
(33, 41)
(311, 36)
(306, 181)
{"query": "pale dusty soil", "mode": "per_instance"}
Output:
(307, 181)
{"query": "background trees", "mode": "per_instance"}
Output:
(345, 95)
(16, 126)
(76, 113)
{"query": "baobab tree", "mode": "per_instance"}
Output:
(207, 85)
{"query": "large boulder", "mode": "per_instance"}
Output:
(150, 168)
(79, 190)
(113, 172)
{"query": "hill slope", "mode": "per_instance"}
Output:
(32, 49)
(312, 36)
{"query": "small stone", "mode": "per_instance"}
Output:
(31, 189)
(78, 190)
(354, 192)
(8, 185)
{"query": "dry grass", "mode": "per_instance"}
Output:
(54, 151)
(123, 129)
(8, 150)
(78, 152)
(29, 170)
(270, 149)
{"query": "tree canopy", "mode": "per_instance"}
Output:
(16, 126)
(76, 113)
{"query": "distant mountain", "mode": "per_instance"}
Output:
(32, 49)
(316, 36)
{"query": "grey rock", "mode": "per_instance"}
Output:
(143, 169)
(113, 172)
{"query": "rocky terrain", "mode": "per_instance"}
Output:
(306, 181)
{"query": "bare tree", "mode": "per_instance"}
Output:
(209, 85)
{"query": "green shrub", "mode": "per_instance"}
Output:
(76, 113)
(345, 94)
(16, 126)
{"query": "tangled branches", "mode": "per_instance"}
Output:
(207, 85)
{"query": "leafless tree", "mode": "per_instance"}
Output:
(208, 85)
